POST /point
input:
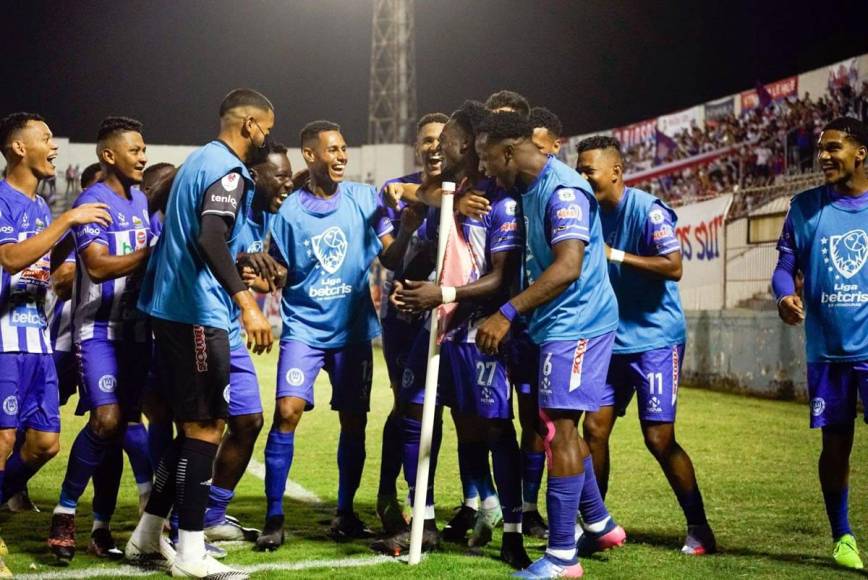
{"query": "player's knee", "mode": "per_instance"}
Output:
(660, 443)
(354, 423)
(106, 423)
(7, 442)
(287, 413)
(596, 431)
(246, 426)
(43, 450)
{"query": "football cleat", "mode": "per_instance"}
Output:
(61, 538)
(612, 536)
(230, 530)
(512, 550)
(533, 525)
(102, 545)
(483, 527)
(461, 522)
(548, 567)
(208, 568)
(846, 553)
(700, 541)
(272, 536)
(159, 559)
(391, 515)
(398, 544)
(348, 526)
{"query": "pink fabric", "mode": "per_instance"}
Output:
(458, 270)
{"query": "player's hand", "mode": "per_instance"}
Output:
(264, 266)
(392, 194)
(607, 250)
(300, 179)
(791, 309)
(491, 333)
(258, 329)
(248, 276)
(393, 296)
(89, 213)
(412, 217)
(472, 204)
(420, 296)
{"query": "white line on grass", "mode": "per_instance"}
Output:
(124, 571)
(293, 490)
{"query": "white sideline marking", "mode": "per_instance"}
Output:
(293, 490)
(124, 571)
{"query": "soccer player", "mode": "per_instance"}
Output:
(28, 383)
(644, 268)
(111, 337)
(824, 237)
(188, 289)
(547, 130)
(508, 101)
(400, 328)
(273, 178)
(472, 383)
(327, 234)
(572, 313)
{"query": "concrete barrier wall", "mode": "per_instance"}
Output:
(745, 351)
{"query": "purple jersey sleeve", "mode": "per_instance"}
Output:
(223, 197)
(787, 241)
(503, 231)
(86, 234)
(382, 223)
(8, 226)
(659, 237)
(567, 216)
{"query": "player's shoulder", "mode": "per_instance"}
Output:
(361, 194)
(95, 193)
(10, 197)
(415, 178)
(815, 195)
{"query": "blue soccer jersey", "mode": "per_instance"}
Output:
(649, 307)
(496, 232)
(60, 317)
(250, 240)
(827, 235)
(328, 246)
(23, 323)
(559, 206)
(107, 310)
(179, 286)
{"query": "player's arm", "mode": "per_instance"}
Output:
(219, 209)
(260, 271)
(660, 240)
(102, 266)
(62, 279)
(790, 307)
(15, 255)
(395, 248)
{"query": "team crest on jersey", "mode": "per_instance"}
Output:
(137, 222)
(295, 377)
(254, 247)
(509, 207)
(818, 405)
(10, 405)
(566, 195)
(407, 379)
(107, 383)
(330, 249)
(849, 252)
(226, 394)
(230, 181)
(656, 217)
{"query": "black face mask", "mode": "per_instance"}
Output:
(266, 141)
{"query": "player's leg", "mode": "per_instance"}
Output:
(135, 445)
(9, 426)
(532, 463)
(106, 484)
(245, 423)
(297, 368)
(350, 370)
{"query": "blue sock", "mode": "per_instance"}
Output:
(562, 503)
(351, 463)
(136, 446)
(18, 473)
(218, 500)
(485, 484)
(159, 438)
(174, 526)
(506, 458)
(278, 459)
(591, 505)
(390, 459)
(106, 483)
(412, 433)
(836, 509)
(532, 465)
(466, 464)
(87, 453)
(693, 508)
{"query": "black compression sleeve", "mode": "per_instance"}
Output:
(212, 243)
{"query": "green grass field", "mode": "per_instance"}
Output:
(755, 461)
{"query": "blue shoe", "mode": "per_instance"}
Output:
(612, 536)
(549, 567)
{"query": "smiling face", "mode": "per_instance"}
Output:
(37, 148)
(601, 167)
(495, 159)
(124, 154)
(840, 156)
(428, 148)
(327, 157)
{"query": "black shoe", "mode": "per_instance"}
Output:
(457, 528)
(347, 526)
(512, 551)
(399, 543)
(102, 545)
(272, 535)
(534, 526)
(61, 538)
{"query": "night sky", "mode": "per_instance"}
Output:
(596, 63)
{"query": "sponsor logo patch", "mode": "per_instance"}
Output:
(849, 252)
(330, 248)
(566, 195)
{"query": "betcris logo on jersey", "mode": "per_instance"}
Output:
(28, 317)
(847, 254)
(330, 250)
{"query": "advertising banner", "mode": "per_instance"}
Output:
(702, 232)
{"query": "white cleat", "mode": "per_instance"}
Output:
(161, 559)
(231, 531)
(207, 568)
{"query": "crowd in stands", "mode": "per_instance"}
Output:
(767, 142)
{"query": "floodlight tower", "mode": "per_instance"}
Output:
(392, 99)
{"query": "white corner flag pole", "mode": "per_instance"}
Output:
(431, 378)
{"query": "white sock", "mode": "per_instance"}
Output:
(567, 554)
(599, 526)
(472, 502)
(191, 546)
(147, 533)
(145, 488)
(98, 524)
(512, 528)
(59, 509)
(491, 502)
(429, 512)
(527, 506)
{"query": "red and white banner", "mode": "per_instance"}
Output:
(641, 132)
(778, 90)
(678, 165)
(702, 231)
(845, 72)
(673, 124)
